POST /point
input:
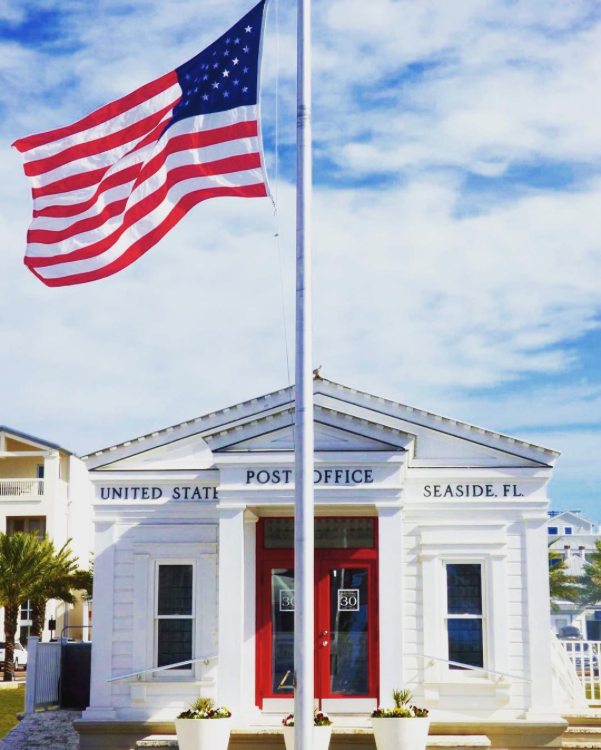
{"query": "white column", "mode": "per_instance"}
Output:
(250, 612)
(392, 640)
(231, 610)
(102, 615)
(537, 614)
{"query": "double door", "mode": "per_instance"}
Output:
(345, 627)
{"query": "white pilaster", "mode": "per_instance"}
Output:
(231, 610)
(537, 603)
(392, 641)
(102, 641)
(250, 611)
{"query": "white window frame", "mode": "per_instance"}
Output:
(483, 618)
(178, 672)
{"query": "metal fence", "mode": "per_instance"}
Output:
(43, 674)
(585, 658)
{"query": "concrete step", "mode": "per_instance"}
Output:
(356, 738)
(582, 734)
(586, 718)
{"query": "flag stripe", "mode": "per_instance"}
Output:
(181, 157)
(143, 244)
(102, 115)
(85, 230)
(165, 99)
(123, 137)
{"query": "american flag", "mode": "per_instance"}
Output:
(110, 186)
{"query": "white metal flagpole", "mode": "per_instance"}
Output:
(304, 637)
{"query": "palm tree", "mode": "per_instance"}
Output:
(24, 560)
(591, 590)
(59, 583)
(563, 585)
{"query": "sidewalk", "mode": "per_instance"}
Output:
(47, 730)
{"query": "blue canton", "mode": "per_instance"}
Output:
(226, 74)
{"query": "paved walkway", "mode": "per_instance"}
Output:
(47, 730)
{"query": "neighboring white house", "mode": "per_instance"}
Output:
(431, 539)
(45, 489)
(574, 537)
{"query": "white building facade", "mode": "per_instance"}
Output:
(45, 489)
(574, 538)
(431, 556)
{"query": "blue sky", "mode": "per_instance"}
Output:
(457, 224)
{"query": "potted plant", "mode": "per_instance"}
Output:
(322, 731)
(204, 726)
(404, 727)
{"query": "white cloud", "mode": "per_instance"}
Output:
(415, 296)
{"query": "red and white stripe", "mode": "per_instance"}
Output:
(106, 189)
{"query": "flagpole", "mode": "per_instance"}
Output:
(304, 637)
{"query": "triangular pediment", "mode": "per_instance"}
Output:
(345, 420)
(327, 438)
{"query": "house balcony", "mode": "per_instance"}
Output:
(21, 490)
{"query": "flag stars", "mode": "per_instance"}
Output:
(205, 77)
(246, 49)
(228, 40)
(215, 85)
(245, 90)
(226, 53)
(235, 61)
(205, 97)
(236, 82)
(226, 73)
(216, 65)
(248, 29)
(237, 40)
(226, 94)
(188, 76)
(245, 70)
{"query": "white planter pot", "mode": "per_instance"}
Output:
(401, 734)
(203, 734)
(321, 737)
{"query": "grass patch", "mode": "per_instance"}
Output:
(12, 701)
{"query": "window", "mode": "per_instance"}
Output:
(464, 614)
(26, 525)
(174, 615)
(553, 530)
(567, 529)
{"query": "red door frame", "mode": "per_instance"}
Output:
(325, 559)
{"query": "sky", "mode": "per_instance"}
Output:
(457, 224)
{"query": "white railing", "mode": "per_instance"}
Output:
(462, 665)
(21, 489)
(138, 675)
(585, 659)
(43, 674)
(568, 691)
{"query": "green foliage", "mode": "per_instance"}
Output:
(401, 697)
(32, 570)
(204, 705)
(562, 585)
(591, 589)
(12, 702)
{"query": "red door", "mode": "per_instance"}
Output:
(346, 611)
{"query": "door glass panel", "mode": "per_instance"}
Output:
(282, 625)
(349, 660)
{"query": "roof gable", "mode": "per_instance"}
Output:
(433, 439)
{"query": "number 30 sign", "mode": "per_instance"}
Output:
(348, 600)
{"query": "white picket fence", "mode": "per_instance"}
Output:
(585, 658)
(43, 674)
